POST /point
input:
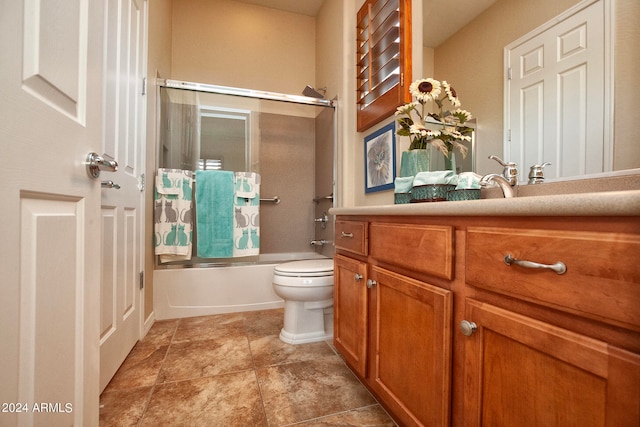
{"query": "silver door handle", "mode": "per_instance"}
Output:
(109, 184)
(559, 267)
(96, 163)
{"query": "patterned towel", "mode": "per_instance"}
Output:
(246, 215)
(173, 222)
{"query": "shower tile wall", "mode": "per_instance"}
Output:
(324, 177)
(287, 165)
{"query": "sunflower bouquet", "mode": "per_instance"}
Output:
(444, 128)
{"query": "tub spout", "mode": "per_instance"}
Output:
(507, 189)
(320, 242)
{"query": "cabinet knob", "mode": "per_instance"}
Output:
(371, 283)
(358, 276)
(468, 328)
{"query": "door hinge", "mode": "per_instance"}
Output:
(401, 79)
(142, 280)
(144, 85)
(509, 73)
(509, 135)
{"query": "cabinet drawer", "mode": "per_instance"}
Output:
(352, 236)
(423, 248)
(602, 278)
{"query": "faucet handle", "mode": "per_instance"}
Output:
(536, 174)
(510, 171)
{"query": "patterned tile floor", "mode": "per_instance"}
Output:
(233, 370)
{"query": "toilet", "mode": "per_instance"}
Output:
(307, 290)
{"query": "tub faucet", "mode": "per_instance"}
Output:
(507, 189)
(320, 242)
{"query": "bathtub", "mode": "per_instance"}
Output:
(188, 292)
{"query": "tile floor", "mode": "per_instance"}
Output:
(233, 370)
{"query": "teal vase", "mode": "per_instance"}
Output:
(414, 161)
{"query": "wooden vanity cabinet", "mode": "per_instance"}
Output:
(394, 331)
(447, 333)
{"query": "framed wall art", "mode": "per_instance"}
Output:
(380, 159)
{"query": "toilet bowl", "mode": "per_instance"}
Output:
(307, 290)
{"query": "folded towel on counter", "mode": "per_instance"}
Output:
(246, 215)
(172, 215)
(215, 193)
(403, 184)
(436, 177)
(468, 181)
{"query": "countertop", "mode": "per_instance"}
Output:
(608, 203)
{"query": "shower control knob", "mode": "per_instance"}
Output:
(371, 283)
(468, 328)
(358, 277)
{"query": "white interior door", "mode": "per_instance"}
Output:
(122, 208)
(555, 103)
(51, 56)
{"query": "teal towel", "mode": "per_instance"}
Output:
(403, 184)
(214, 213)
(437, 177)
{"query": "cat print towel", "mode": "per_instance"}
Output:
(246, 215)
(172, 215)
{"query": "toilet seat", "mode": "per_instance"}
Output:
(305, 268)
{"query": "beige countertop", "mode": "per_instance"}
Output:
(607, 203)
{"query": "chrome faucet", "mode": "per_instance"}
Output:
(536, 173)
(505, 186)
(510, 171)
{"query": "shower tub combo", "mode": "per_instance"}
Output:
(216, 127)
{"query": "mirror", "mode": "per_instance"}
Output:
(472, 60)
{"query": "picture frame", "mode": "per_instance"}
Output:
(380, 159)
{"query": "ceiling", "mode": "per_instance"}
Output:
(436, 27)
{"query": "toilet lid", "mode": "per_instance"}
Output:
(306, 268)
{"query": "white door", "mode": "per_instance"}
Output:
(122, 208)
(556, 96)
(51, 56)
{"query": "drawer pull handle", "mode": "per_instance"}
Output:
(371, 283)
(558, 267)
(343, 234)
(358, 277)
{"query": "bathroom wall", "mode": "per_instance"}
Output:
(158, 65)
(230, 43)
(287, 159)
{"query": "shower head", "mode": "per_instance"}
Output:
(310, 91)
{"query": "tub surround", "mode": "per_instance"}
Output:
(440, 328)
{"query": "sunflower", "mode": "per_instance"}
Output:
(425, 90)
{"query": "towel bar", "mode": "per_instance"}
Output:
(329, 197)
(274, 199)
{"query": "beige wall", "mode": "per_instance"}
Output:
(473, 61)
(229, 43)
(159, 65)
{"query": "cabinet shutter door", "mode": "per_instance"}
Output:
(383, 59)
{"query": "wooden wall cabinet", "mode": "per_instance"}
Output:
(538, 348)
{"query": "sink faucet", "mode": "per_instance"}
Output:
(510, 171)
(507, 189)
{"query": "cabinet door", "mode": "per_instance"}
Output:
(412, 346)
(350, 312)
(520, 371)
